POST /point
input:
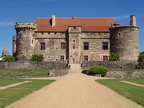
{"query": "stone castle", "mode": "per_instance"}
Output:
(76, 39)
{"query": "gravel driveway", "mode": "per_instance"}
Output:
(74, 90)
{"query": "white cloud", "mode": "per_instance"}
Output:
(122, 17)
(6, 23)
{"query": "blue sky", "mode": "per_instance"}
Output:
(12, 11)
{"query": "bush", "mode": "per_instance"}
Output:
(141, 59)
(98, 70)
(114, 57)
(8, 58)
(37, 58)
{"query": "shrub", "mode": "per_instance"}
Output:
(37, 58)
(114, 57)
(98, 70)
(141, 59)
(8, 58)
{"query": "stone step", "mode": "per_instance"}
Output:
(75, 70)
(75, 66)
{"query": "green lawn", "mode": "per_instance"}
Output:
(12, 94)
(4, 82)
(24, 72)
(138, 81)
(132, 92)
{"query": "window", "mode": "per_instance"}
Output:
(73, 47)
(105, 45)
(105, 58)
(42, 45)
(86, 45)
(86, 57)
(73, 41)
(63, 45)
(62, 58)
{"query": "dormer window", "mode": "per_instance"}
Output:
(74, 27)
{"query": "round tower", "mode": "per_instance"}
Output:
(124, 40)
(24, 40)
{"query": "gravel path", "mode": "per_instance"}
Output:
(12, 85)
(133, 83)
(74, 90)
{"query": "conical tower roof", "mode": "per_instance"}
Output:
(5, 52)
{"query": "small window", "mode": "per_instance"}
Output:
(42, 45)
(86, 57)
(63, 45)
(105, 58)
(73, 47)
(105, 45)
(74, 27)
(42, 33)
(86, 45)
(62, 58)
(73, 41)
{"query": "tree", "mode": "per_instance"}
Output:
(114, 57)
(141, 59)
(37, 57)
(8, 58)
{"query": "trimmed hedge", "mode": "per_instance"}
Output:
(94, 70)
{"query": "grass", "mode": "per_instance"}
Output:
(12, 94)
(24, 72)
(138, 81)
(4, 82)
(132, 92)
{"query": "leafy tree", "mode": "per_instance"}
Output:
(114, 57)
(141, 59)
(37, 57)
(8, 58)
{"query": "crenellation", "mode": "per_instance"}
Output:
(29, 25)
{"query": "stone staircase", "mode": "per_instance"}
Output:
(75, 68)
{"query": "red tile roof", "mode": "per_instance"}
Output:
(87, 24)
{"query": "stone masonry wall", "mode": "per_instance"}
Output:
(112, 65)
(53, 42)
(95, 52)
(122, 74)
(33, 65)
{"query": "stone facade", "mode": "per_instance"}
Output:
(77, 42)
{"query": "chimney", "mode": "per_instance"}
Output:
(53, 20)
(73, 17)
(132, 20)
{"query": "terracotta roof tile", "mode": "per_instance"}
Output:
(87, 24)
